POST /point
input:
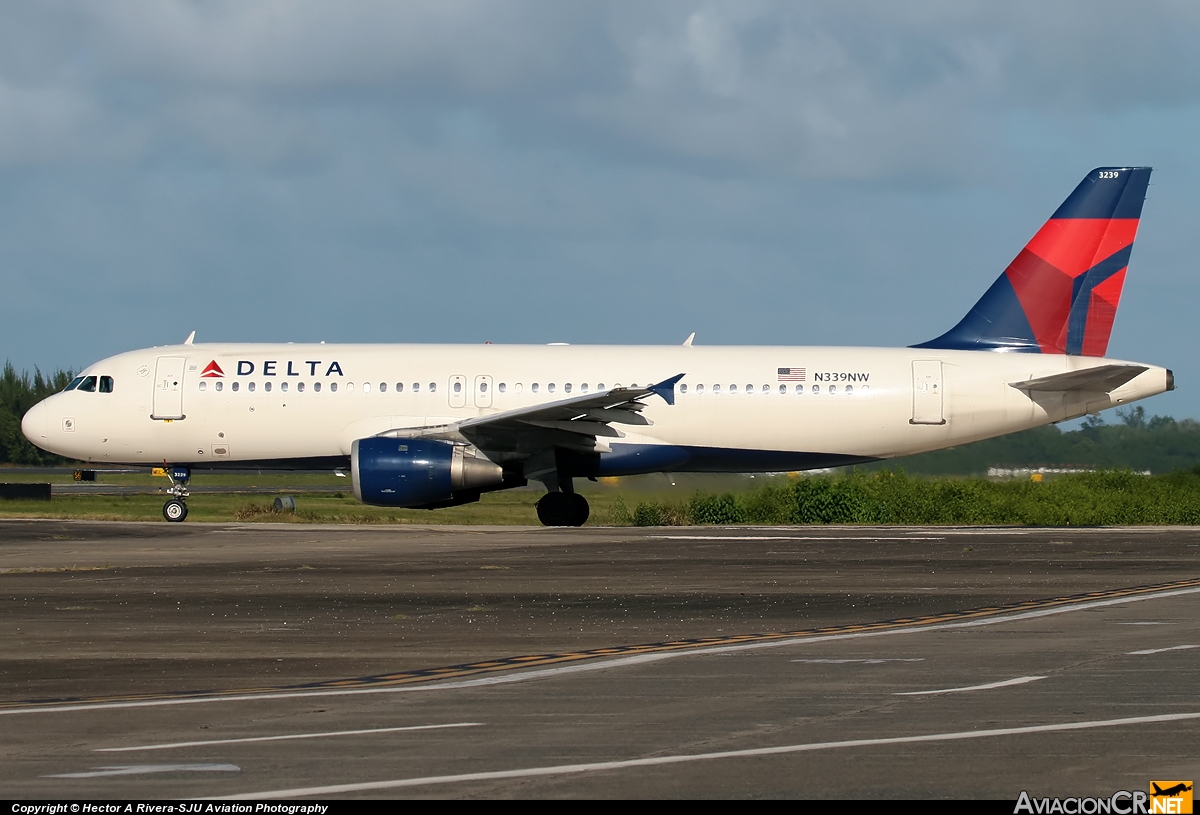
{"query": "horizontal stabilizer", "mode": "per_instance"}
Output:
(1101, 379)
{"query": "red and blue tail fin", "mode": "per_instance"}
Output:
(1060, 295)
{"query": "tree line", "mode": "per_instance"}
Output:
(18, 393)
(1134, 441)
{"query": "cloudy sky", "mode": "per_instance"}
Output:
(757, 172)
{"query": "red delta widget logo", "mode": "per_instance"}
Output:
(274, 367)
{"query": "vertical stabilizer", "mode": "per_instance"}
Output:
(1060, 294)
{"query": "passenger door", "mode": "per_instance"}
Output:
(927, 392)
(168, 388)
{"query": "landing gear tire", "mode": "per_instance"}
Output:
(562, 509)
(175, 510)
(582, 510)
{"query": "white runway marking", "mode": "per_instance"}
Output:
(868, 661)
(602, 665)
(289, 737)
(796, 537)
(599, 766)
(1161, 650)
(146, 769)
(1020, 680)
(1146, 623)
(990, 532)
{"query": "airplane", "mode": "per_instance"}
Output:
(429, 426)
(1170, 792)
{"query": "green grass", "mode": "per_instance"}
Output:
(1088, 499)
(512, 507)
(609, 501)
(499, 508)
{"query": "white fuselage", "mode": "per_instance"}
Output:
(832, 403)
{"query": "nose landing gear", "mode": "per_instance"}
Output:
(175, 510)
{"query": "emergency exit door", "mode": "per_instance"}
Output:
(168, 388)
(927, 392)
(457, 391)
(483, 391)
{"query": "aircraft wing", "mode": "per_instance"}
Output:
(576, 423)
(1101, 379)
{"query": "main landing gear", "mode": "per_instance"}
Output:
(563, 509)
(175, 510)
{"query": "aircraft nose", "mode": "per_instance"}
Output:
(34, 423)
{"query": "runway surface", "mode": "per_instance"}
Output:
(160, 661)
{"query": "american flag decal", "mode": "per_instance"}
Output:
(791, 374)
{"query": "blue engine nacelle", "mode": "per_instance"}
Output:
(419, 472)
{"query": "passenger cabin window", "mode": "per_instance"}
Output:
(766, 388)
(332, 387)
(383, 387)
(483, 387)
(267, 387)
(283, 387)
(716, 388)
(234, 387)
(583, 388)
(250, 387)
(299, 387)
(432, 387)
(733, 388)
(683, 388)
(220, 385)
(567, 387)
(503, 387)
(88, 384)
(349, 387)
(458, 387)
(699, 389)
(73, 384)
(203, 385)
(534, 387)
(816, 389)
(600, 386)
(106, 384)
(550, 387)
(366, 387)
(316, 387)
(416, 387)
(399, 387)
(783, 388)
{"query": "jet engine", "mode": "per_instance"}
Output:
(420, 473)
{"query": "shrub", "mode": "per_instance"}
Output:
(1113, 497)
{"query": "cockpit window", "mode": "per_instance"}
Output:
(88, 384)
(106, 384)
(74, 384)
